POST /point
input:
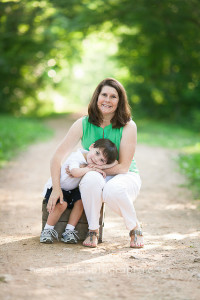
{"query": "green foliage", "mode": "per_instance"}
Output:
(158, 45)
(174, 136)
(33, 45)
(158, 55)
(165, 134)
(162, 53)
(190, 166)
(20, 51)
(17, 133)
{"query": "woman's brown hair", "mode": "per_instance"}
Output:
(123, 111)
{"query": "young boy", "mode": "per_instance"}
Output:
(101, 155)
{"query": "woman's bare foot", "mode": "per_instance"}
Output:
(91, 239)
(137, 240)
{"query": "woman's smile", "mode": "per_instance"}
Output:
(108, 100)
(106, 105)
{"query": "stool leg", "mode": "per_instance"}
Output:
(101, 223)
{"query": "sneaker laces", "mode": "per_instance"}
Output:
(53, 232)
(69, 231)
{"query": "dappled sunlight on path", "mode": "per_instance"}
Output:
(166, 268)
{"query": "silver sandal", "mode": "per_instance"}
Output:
(135, 233)
(91, 234)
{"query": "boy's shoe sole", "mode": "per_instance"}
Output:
(47, 242)
(68, 242)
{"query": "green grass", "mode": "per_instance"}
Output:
(189, 162)
(163, 134)
(174, 136)
(17, 133)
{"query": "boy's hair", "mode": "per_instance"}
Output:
(108, 148)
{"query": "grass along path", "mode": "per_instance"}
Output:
(186, 141)
(17, 133)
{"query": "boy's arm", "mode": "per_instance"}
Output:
(79, 172)
(103, 167)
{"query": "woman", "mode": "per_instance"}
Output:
(109, 117)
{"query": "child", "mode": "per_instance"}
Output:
(101, 155)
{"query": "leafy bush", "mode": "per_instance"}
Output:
(190, 166)
(17, 133)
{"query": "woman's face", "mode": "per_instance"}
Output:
(108, 100)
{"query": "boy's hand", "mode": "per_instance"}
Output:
(103, 167)
(91, 166)
(55, 195)
(98, 170)
(68, 172)
(83, 165)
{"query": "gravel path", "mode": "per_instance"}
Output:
(167, 268)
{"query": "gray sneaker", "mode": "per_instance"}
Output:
(70, 236)
(47, 236)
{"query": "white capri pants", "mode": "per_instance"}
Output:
(118, 192)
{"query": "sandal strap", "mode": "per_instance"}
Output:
(136, 232)
(91, 234)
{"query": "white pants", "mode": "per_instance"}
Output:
(118, 192)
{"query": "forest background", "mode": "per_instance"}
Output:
(53, 53)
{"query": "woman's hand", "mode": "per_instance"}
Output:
(108, 166)
(55, 195)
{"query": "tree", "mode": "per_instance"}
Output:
(162, 51)
(33, 42)
(159, 45)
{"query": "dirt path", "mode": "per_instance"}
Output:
(167, 268)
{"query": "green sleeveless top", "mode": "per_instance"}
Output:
(91, 133)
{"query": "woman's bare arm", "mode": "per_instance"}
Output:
(126, 151)
(66, 146)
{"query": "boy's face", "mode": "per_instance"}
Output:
(95, 156)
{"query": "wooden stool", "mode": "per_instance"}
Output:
(81, 227)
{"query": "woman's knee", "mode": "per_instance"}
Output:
(113, 191)
(92, 179)
(121, 189)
